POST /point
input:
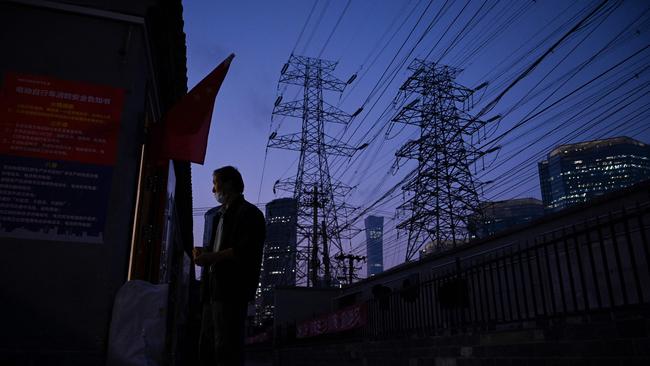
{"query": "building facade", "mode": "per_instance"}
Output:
(501, 215)
(112, 212)
(375, 244)
(279, 261)
(575, 173)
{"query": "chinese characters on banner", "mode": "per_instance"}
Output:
(58, 145)
(352, 317)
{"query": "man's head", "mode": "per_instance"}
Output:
(227, 184)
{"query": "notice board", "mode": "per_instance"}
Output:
(58, 146)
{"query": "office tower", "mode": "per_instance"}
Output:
(575, 173)
(375, 244)
(279, 261)
(502, 215)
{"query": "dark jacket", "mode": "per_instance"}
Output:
(244, 230)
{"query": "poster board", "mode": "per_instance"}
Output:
(58, 146)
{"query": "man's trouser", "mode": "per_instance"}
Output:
(222, 334)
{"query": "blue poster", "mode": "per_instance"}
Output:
(53, 200)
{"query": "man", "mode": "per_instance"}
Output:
(230, 264)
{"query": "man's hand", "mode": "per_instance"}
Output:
(204, 259)
(197, 251)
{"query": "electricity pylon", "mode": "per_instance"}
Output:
(318, 196)
(442, 195)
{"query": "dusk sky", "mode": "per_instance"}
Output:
(491, 41)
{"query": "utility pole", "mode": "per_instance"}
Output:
(308, 253)
(314, 241)
(326, 256)
(350, 265)
(443, 193)
(318, 196)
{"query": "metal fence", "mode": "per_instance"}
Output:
(596, 266)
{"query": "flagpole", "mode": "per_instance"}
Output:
(136, 215)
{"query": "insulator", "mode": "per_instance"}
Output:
(357, 112)
(278, 100)
(284, 68)
(413, 103)
(352, 78)
(498, 116)
(363, 146)
(489, 151)
(273, 135)
(483, 85)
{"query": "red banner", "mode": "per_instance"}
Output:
(259, 338)
(348, 318)
(47, 118)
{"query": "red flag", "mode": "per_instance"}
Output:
(187, 124)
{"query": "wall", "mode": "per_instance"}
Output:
(57, 296)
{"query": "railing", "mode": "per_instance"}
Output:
(596, 266)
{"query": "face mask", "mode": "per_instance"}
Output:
(220, 197)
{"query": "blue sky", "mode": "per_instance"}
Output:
(263, 34)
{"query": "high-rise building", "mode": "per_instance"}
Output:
(279, 261)
(500, 215)
(575, 173)
(375, 244)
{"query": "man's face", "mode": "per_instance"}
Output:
(215, 185)
(220, 187)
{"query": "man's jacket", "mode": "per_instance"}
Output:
(243, 230)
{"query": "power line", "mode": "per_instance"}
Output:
(313, 32)
(335, 27)
(302, 31)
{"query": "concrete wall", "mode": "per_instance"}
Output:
(620, 340)
(295, 304)
(57, 297)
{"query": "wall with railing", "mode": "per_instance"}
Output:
(595, 265)
(586, 263)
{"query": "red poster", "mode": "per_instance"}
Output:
(58, 147)
(47, 118)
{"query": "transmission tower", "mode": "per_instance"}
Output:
(319, 198)
(442, 195)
